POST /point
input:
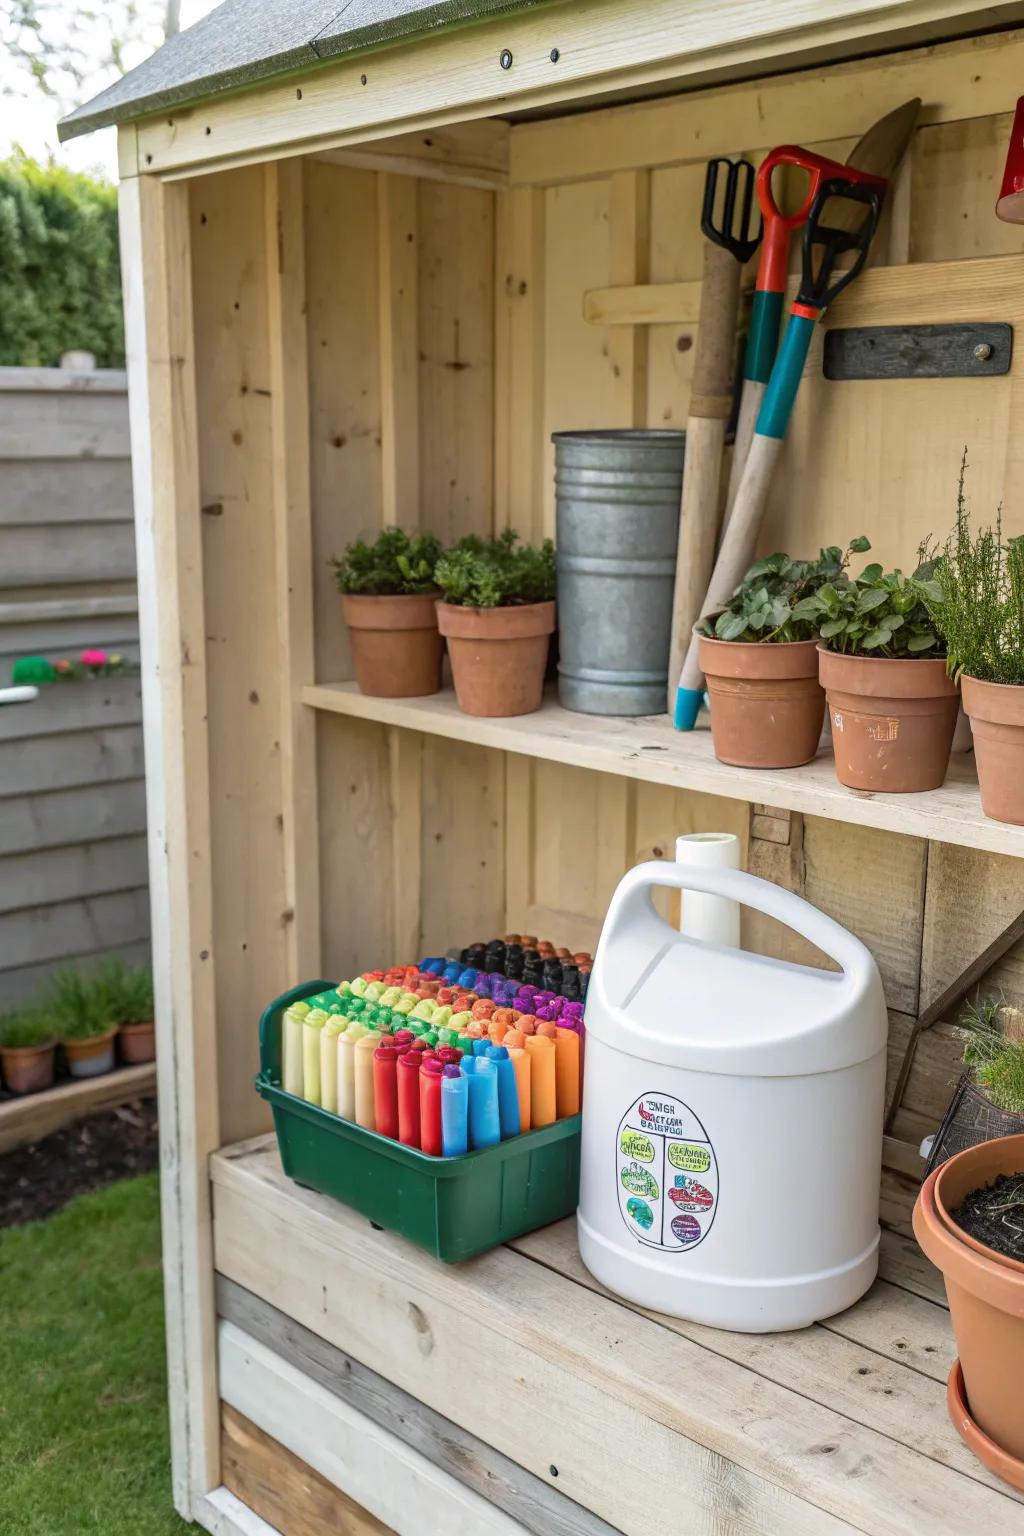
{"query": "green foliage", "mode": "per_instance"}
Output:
(496, 573)
(878, 613)
(763, 606)
(995, 1059)
(124, 992)
(26, 1027)
(76, 1006)
(979, 603)
(396, 564)
(60, 275)
(83, 1406)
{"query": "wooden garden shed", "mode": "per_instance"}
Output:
(375, 253)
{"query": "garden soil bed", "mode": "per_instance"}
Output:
(994, 1215)
(38, 1179)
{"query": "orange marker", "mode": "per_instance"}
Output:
(497, 1029)
(543, 1101)
(546, 1027)
(522, 1066)
(567, 1072)
(514, 1040)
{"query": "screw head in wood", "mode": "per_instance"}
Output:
(983, 351)
(505, 58)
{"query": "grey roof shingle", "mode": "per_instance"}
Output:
(244, 41)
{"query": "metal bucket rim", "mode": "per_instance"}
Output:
(661, 437)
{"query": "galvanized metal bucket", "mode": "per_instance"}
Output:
(617, 497)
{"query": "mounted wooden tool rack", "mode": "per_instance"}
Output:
(369, 268)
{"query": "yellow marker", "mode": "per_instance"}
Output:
(345, 1048)
(365, 1115)
(291, 1048)
(329, 1062)
(312, 1024)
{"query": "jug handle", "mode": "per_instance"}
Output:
(632, 899)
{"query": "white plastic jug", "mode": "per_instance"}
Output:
(732, 1113)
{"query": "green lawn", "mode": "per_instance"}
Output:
(83, 1423)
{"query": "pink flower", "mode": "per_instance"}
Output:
(94, 658)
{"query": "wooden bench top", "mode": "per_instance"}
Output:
(617, 1417)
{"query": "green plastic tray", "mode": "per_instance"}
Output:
(455, 1206)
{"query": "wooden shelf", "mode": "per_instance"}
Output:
(649, 749)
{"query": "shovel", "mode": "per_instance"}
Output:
(821, 282)
(730, 244)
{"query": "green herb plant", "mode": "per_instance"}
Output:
(396, 564)
(978, 604)
(124, 992)
(24, 1028)
(996, 1060)
(878, 613)
(764, 606)
(497, 573)
(76, 1005)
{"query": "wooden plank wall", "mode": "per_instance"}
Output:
(73, 878)
(443, 341)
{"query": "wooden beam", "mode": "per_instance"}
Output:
(293, 532)
(37, 1115)
(379, 1471)
(282, 1489)
(473, 154)
(524, 1498)
(629, 242)
(557, 55)
(643, 304)
(972, 77)
(156, 276)
(405, 759)
(398, 258)
(520, 451)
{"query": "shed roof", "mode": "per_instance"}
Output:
(245, 41)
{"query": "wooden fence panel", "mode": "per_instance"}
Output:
(73, 875)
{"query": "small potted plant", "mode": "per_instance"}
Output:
(77, 1007)
(969, 1219)
(28, 1044)
(388, 596)
(882, 663)
(126, 993)
(988, 1101)
(497, 613)
(978, 607)
(760, 659)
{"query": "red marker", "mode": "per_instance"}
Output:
(431, 1072)
(409, 1098)
(385, 1089)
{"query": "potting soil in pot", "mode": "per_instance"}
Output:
(994, 1215)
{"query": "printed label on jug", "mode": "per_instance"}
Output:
(667, 1173)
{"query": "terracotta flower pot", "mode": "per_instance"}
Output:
(996, 712)
(28, 1068)
(892, 720)
(395, 644)
(498, 655)
(767, 706)
(138, 1043)
(985, 1290)
(93, 1057)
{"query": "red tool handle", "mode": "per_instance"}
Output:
(771, 274)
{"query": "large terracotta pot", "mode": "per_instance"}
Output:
(28, 1068)
(892, 720)
(138, 1043)
(498, 655)
(986, 1303)
(996, 712)
(767, 706)
(396, 648)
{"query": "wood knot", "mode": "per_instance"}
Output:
(424, 1332)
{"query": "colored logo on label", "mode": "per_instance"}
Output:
(686, 1229)
(688, 1195)
(642, 1213)
(636, 1145)
(691, 1159)
(639, 1181)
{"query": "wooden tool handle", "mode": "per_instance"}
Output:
(750, 404)
(710, 402)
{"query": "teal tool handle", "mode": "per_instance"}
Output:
(763, 337)
(777, 405)
(688, 703)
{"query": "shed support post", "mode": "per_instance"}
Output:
(156, 274)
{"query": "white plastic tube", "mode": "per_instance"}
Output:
(714, 919)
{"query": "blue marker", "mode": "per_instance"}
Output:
(481, 1046)
(484, 1121)
(508, 1093)
(454, 1112)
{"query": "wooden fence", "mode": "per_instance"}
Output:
(73, 876)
